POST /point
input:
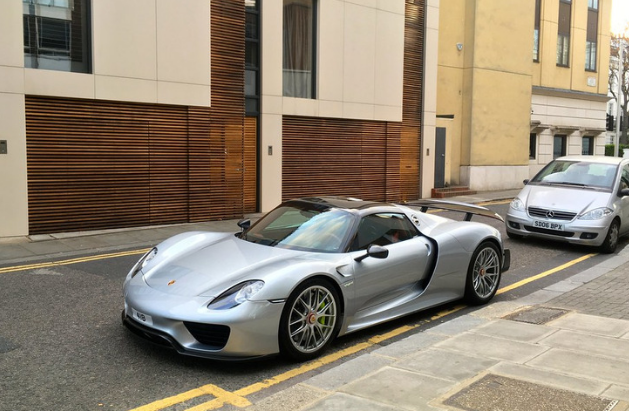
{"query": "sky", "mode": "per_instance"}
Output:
(620, 15)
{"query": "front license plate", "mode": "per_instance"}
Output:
(141, 317)
(548, 225)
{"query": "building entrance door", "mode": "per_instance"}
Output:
(440, 157)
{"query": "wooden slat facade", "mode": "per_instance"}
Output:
(104, 164)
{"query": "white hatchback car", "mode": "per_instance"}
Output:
(575, 199)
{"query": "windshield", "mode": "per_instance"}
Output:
(300, 226)
(577, 173)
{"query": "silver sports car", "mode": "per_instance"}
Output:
(308, 271)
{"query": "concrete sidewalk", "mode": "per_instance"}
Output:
(565, 347)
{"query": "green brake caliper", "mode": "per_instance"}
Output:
(321, 319)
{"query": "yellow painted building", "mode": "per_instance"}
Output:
(515, 88)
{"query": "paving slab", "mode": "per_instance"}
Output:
(592, 324)
(492, 347)
(580, 364)
(563, 286)
(342, 402)
(516, 331)
(399, 388)
(347, 372)
(447, 365)
(409, 345)
(292, 398)
(589, 274)
(592, 344)
(540, 297)
(458, 325)
(499, 309)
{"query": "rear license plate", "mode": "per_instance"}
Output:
(548, 225)
(143, 318)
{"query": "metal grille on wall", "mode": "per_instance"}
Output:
(340, 157)
(103, 164)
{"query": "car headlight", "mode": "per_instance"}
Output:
(517, 204)
(596, 214)
(142, 262)
(236, 295)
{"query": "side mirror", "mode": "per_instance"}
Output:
(526, 181)
(244, 224)
(623, 192)
(374, 251)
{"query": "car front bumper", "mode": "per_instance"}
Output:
(584, 232)
(247, 331)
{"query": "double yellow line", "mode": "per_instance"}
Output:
(238, 398)
(71, 261)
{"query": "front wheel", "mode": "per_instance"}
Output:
(483, 274)
(611, 240)
(310, 320)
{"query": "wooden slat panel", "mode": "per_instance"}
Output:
(217, 189)
(411, 137)
(339, 157)
(250, 164)
(97, 165)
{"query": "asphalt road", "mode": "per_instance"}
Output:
(62, 345)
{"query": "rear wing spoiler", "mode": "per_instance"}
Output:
(469, 209)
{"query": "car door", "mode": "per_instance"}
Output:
(402, 273)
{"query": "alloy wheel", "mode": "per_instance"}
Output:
(312, 319)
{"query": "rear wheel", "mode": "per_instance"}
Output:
(611, 240)
(483, 274)
(310, 321)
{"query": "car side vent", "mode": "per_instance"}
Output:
(415, 220)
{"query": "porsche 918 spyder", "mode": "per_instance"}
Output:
(308, 271)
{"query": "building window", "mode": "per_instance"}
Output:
(559, 145)
(536, 30)
(563, 33)
(252, 57)
(299, 48)
(591, 36)
(587, 146)
(532, 146)
(56, 35)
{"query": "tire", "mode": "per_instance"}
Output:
(611, 240)
(310, 321)
(483, 274)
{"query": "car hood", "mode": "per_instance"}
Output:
(217, 262)
(577, 200)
